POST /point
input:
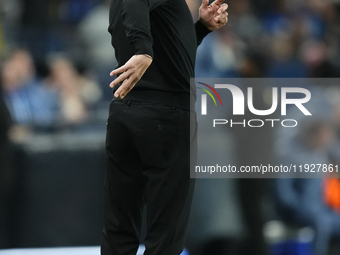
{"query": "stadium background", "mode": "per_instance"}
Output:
(55, 60)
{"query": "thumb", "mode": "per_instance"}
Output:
(205, 3)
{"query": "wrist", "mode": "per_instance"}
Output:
(148, 56)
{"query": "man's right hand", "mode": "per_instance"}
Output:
(213, 16)
(131, 73)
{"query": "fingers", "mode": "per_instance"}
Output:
(130, 74)
(217, 2)
(222, 18)
(119, 79)
(223, 8)
(205, 3)
(120, 91)
(126, 87)
(119, 70)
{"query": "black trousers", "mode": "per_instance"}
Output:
(148, 154)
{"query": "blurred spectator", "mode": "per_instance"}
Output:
(6, 174)
(244, 22)
(284, 61)
(94, 49)
(301, 201)
(315, 55)
(29, 102)
(75, 10)
(49, 25)
(220, 246)
(37, 29)
(10, 11)
(77, 93)
(254, 65)
(219, 55)
(253, 147)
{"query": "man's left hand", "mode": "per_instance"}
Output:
(130, 74)
(213, 16)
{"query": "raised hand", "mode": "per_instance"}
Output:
(213, 16)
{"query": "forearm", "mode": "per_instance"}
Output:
(211, 17)
(201, 32)
(136, 22)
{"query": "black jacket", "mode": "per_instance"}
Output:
(164, 29)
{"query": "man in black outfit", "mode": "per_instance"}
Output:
(148, 137)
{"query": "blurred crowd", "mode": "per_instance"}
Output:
(59, 51)
(281, 38)
(46, 46)
(55, 59)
